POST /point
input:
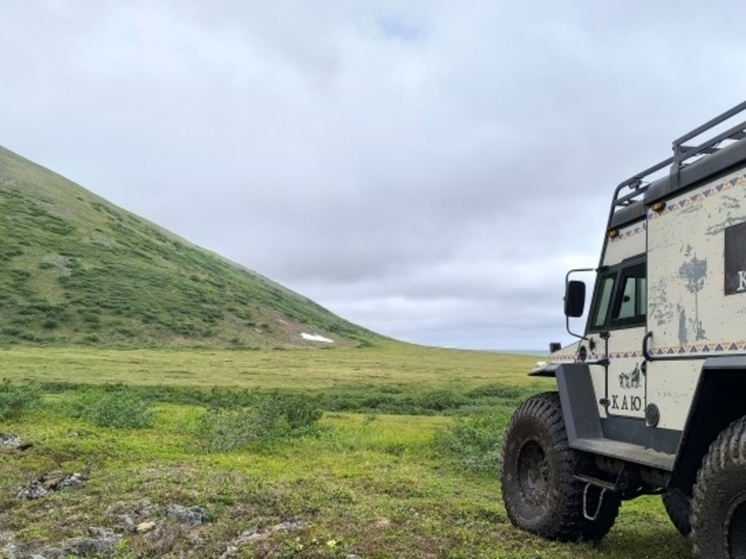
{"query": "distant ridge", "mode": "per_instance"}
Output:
(76, 269)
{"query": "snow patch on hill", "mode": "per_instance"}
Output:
(315, 338)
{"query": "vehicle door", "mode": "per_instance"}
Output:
(616, 328)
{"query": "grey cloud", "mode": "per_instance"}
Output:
(427, 168)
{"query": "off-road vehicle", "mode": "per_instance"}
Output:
(652, 397)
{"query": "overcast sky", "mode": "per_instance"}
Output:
(427, 169)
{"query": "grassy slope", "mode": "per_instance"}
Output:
(372, 483)
(75, 269)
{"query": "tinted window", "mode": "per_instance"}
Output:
(604, 291)
(620, 299)
(631, 305)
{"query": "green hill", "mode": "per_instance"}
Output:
(75, 269)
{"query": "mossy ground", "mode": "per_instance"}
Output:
(363, 482)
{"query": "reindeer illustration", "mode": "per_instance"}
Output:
(630, 380)
(634, 378)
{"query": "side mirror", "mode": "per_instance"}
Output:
(574, 299)
(554, 346)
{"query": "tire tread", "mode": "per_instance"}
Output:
(726, 453)
(566, 521)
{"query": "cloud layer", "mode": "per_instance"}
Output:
(427, 169)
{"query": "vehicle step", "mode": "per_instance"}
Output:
(628, 452)
(608, 485)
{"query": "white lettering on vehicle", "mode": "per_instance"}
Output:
(741, 280)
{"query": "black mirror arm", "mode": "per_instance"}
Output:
(567, 281)
(567, 327)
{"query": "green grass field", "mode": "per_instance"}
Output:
(367, 480)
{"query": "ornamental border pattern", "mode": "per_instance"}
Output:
(690, 200)
(726, 347)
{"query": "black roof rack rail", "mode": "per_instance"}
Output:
(631, 190)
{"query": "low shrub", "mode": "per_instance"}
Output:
(116, 409)
(270, 418)
(225, 430)
(17, 399)
(299, 411)
(502, 391)
(474, 442)
(220, 397)
(440, 400)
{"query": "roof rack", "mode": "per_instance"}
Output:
(632, 190)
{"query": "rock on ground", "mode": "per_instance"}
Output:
(186, 515)
(100, 541)
(259, 535)
(54, 481)
(12, 441)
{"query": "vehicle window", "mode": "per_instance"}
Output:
(603, 299)
(631, 305)
(627, 307)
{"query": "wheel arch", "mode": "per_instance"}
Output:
(719, 400)
(578, 401)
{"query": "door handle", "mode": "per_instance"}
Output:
(645, 353)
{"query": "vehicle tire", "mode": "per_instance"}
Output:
(678, 507)
(719, 498)
(540, 493)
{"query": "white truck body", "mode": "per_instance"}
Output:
(652, 398)
(671, 281)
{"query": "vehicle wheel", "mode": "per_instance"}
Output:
(679, 508)
(540, 493)
(719, 500)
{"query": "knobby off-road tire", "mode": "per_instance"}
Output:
(539, 491)
(679, 508)
(719, 499)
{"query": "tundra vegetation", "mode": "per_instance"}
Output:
(161, 401)
(375, 452)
